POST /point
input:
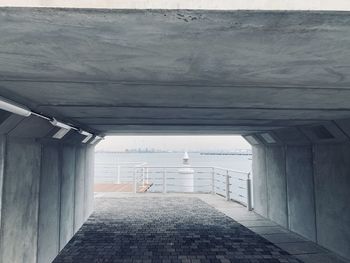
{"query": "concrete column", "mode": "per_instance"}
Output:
(89, 180)
(19, 226)
(79, 202)
(259, 179)
(276, 185)
(67, 194)
(2, 163)
(49, 206)
(300, 189)
(332, 184)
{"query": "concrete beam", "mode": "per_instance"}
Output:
(187, 4)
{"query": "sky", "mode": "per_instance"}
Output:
(174, 143)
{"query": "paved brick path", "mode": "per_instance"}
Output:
(166, 229)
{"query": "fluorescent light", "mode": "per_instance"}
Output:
(14, 107)
(251, 140)
(268, 138)
(97, 138)
(87, 138)
(59, 124)
(61, 133)
(87, 134)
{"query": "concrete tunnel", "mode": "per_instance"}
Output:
(278, 78)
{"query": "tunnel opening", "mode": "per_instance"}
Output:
(175, 164)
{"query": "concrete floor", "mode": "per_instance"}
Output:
(125, 230)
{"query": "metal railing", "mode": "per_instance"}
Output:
(231, 184)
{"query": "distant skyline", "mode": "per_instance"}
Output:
(173, 143)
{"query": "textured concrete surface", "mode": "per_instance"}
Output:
(277, 185)
(300, 190)
(49, 204)
(317, 192)
(152, 229)
(89, 181)
(38, 194)
(187, 4)
(332, 183)
(212, 72)
(259, 180)
(79, 197)
(20, 202)
(67, 195)
(2, 162)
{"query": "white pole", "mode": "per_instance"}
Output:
(227, 186)
(118, 174)
(213, 181)
(164, 181)
(135, 183)
(143, 176)
(147, 175)
(249, 193)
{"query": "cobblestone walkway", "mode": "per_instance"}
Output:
(166, 229)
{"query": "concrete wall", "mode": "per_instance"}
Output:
(332, 194)
(276, 185)
(307, 188)
(260, 181)
(38, 204)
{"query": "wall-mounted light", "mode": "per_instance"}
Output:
(14, 107)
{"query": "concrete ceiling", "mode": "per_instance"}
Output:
(121, 71)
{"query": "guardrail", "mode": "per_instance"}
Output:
(231, 184)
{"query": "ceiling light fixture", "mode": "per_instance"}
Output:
(59, 124)
(87, 134)
(60, 133)
(97, 138)
(13, 107)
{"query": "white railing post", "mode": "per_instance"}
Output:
(227, 186)
(164, 181)
(213, 181)
(143, 176)
(118, 174)
(135, 181)
(147, 175)
(249, 193)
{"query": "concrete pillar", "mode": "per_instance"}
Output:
(89, 180)
(19, 226)
(49, 206)
(67, 194)
(276, 185)
(79, 201)
(2, 158)
(300, 189)
(332, 193)
(260, 181)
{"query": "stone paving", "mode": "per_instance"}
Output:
(166, 229)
